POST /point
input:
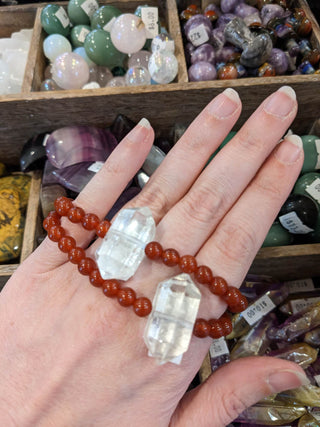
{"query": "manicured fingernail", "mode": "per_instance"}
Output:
(282, 102)
(285, 380)
(144, 123)
(289, 150)
(225, 104)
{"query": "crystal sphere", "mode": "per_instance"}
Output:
(82, 52)
(137, 76)
(100, 49)
(91, 85)
(103, 75)
(162, 42)
(116, 82)
(103, 16)
(80, 11)
(54, 45)
(49, 85)
(163, 67)
(70, 71)
(128, 33)
(54, 20)
(78, 35)
(140, 58)
(202, 71)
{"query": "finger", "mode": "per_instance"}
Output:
(228, 174)
(103, 190)
(187, 158)
(235, 387)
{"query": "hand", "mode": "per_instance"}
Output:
(71, 357)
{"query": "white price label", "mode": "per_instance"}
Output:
(302, 303)
(293, 223)
(45, 139)
(302, 285)
(95, 167)
(314, 189)
(150, 18)
(218, 347)
(198, 35)
(89, 7)
(258, 309)
(83, 34)
(108, 25)
(160, 45)
(317, 380)
(61, 14)
(317, 142)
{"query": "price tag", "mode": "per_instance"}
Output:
(83, 34)
(302, 285)
(89, 7)
(218, 347)
(258, 309)
(150, 18)
(108, 25)
(317, 142)
(61, 14)
(95, 167)
(198, 35)
(45, 139)
(314, 189)
(160, 45)
(302, 303)
(293, 223)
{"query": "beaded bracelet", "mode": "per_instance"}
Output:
(142, 306)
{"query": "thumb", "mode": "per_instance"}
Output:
(233, 388)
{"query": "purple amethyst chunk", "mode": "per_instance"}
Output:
(279, 60)
(243, 10)
(198, 29)
(205, 52)
(217, 38)
(202, 71)
(223, 20)
(228, 6)
(270, 11)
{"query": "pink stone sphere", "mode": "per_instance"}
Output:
(128, 33)
(70, 71)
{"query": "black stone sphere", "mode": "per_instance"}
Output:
(304, 206)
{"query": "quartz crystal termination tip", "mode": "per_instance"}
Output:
(170, 324)
(122, 249)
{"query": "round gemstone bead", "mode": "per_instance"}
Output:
(128, 33)
(239, 306)
(70, 71)
(86, 266)
(218, 286)
(142, 306)
(153, 250)
(203, 275)
(137, 76)
(50, 221)
(66, 243)
(78, 35)
(216, 330)
(76, 214)
(103, 228)
(170, 257)
(226, 324)
(54, 20)
(55, 45)
(90, 221)
(80, 11)
(188, 264)
(102, 17)
(76, 255)
(163, 67)
(233, 296)
(111, 287)
(95, 278)
(55, 233)
(63, 205)
(201, 328)
(101, 50)
(126, 297)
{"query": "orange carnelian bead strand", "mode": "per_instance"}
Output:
(111, 287)
(95, 278)
(76, 255)
(86, 266)
(102, 228)
(201, 328)
(66, 243)
(142, 306)
(75, 214)
(63, 205)
(153, 250)
(90, 221)
(188, 264)
(126, 297)
(170, 257)
(56, 232)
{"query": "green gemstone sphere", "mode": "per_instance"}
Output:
(103, 16)
(54, 20)
(310, 143)
(78, 35)
(101, 51)
(303, 184)
(277, 236)
(81, 11)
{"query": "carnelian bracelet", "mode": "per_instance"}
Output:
(215, 328)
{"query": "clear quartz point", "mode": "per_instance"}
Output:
(169, 328)
(122, 249)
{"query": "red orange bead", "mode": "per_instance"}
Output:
(142, 306)
(56, 232)
(76, 255)
(233, 296)
(95, 278)
(90, 221)
(76, 214)
(50, 221)
(111, 287)
(218, 286)
(226, 324)
(103, 228)
(66, 243)
(170, 257)
(203, 275)
(201, 328)
(188, 264)
(86, 265)
(126, 297)
(239, 306)
(153, 250)
(63, 205)
(216, 330)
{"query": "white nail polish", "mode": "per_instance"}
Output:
(231, 94)
(288, 91)
(144, 123)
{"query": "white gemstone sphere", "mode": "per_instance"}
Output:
(82, 52)
(137, 76)
(116, 82)
(140, 59)
(128, 33)
(91, 85)
(70, 71)
(54, 45)
(162, 42)
(163, 67)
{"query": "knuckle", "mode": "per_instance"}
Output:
(250, 143)
(232, 405)
(155, 198)
(269, 187)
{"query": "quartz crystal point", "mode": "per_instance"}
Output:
(169, 328)
(301, 353)
(308, 421)
(122, 249)
(308, 395)
(271, 415)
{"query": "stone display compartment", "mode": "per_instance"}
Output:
(31, 112)
(32, 228)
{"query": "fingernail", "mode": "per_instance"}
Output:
(289, 150)
(144, 123)
(225, 104)
(285, 380)
(282, 102)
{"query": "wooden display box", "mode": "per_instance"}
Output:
(31, 231)
(31, 112)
